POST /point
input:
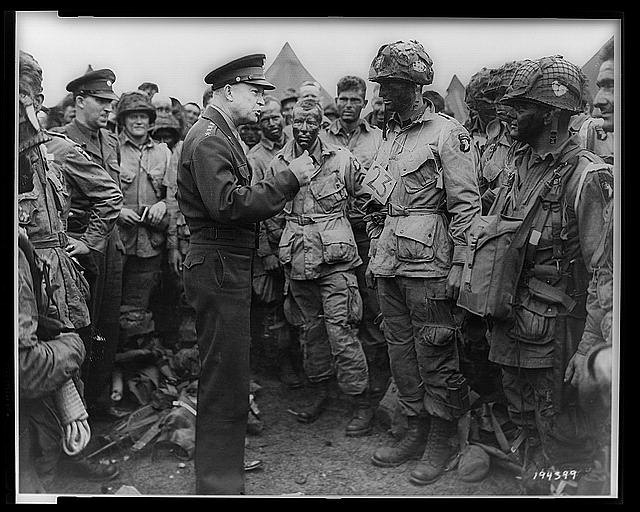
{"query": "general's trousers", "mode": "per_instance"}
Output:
(217, 281)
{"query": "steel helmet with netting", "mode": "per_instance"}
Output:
(551, 81)
(402, 60)
(135, 101)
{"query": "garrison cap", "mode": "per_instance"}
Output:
(248, 69)
(95, 83)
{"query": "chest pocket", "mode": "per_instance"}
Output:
(328, 191)
(419, 169)
(126, 178)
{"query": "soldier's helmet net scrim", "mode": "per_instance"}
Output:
(475, 92)
(402, 60)
(30, 74)
(135, 101)
(552, 81)
(166, 122)
(499, 80)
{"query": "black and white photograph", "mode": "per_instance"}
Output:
(323, 257)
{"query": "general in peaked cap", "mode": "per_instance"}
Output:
(248, 69)
(95, 83)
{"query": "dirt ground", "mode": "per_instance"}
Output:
(298, 460)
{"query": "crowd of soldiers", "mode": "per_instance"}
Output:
(367, 276)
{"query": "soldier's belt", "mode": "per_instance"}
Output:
(394, 210)
(224, 236)
(303, 220)
(59, 239)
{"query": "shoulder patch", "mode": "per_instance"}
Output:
(465, 142)
(209, 128)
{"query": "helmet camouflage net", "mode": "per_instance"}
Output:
(402, 60)
(135, 101)
(475, 90)
(552, 81)
(166, 122)
(30, 73)
(500, 79)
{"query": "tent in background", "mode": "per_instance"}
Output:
(287, 71)
(454, 100)
(590, 69)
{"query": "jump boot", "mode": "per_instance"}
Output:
(410, 447)
(320, 400)
(286, 373)
(436, 453)
(361, 423)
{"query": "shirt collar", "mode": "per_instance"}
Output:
(522, 148)
(555, 153)
(319, 154)
(125, 139)
(419, 115)
(336, 126)
(85, 129)
(227, 118)
(270, 145)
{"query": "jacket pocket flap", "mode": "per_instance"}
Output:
(193, 259)
(417, 231)
(337, 236)
(417, 158)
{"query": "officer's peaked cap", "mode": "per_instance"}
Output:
(248, 69)
(97, 83)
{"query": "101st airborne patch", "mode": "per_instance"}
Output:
(465, 142)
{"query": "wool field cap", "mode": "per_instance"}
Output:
(248, 69)
(95, 83)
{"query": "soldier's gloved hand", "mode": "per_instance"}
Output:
(156, 212)
(302, 167)
(271, 263)
(129, 217)
(76, 247)
(453, 282)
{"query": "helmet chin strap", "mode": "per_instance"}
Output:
(553, 134)
(30, 111)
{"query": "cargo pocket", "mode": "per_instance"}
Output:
(338, 246)
(27, 208)
(284, 248)
(354, 300)
(437, 335)
(414, 238)
(534, 320)
(328, 192)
